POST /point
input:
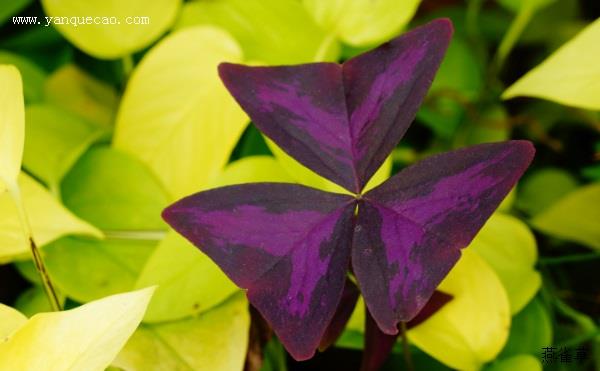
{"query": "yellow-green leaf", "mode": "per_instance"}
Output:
(33, 76)
(54, 140)
(86, 338)
(215, 340)
(10, 321)
(303, 175)
(176, 114)
(267, 30)
(570, 76)
(362, 22)
(575, 217)
(509, 247)
(472, 328)
(12, 124)
(521, 362)
(49, 220)
(34, 300)
(188, 281)
(74, 90)
(132, 24)
(252, 169)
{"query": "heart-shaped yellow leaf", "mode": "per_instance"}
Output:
(110, 29)
(176, 115)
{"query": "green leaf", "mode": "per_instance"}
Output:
(33, 76)
(267, 30)
(12, 125)
(575, 217)
(12, 7)
(188, 281)
(531, 330)
(49, 221)
(456, 84)
(509, 247)
(252, 169)
(34, 300)
(570, 76)
(87, 270)
(10, 321)
(176, 115)
(362, 22)
(86, 338)
(74, 90)
(522, 362)
(473, 327)
(543, 188)
(122, 36)
(115, 191)
(214, 340)
(516, 5)
(54, 140)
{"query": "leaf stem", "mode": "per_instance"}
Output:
(35, 252)
(406, 348)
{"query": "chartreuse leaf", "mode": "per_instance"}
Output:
(126, 31)
(473, 327)
(87, 270)
(509, 247)
(54, 140)
(531, 330)
(116, 192)
(570, 76)
(522, 362)
(12, 125)
(49, 220)
(74, 90)
(543, 188)
(267, 30)
(85, 338)
(33, 76)
(575, 217)
(214, 340)
(303, 175)
(188, 281)
(181, 121)
(10, 321)
(362, 22)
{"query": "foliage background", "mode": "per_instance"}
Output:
(122, 120)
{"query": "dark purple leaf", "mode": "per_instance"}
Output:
(341, 316)
(288, 245)
(342, 121)
(378, 345)
(410, 229)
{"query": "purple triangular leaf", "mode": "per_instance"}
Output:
(288, 245)
(378, 345)
(342, 121)
(342, 315)
(410, 229)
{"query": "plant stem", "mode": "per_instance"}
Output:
(569, 258)
(406, 348)
(35, 252)
(473, 8)
(127, 66)
(512, 35)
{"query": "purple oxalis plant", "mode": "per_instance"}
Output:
(291, 246)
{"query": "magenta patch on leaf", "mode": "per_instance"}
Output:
(290, 246)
